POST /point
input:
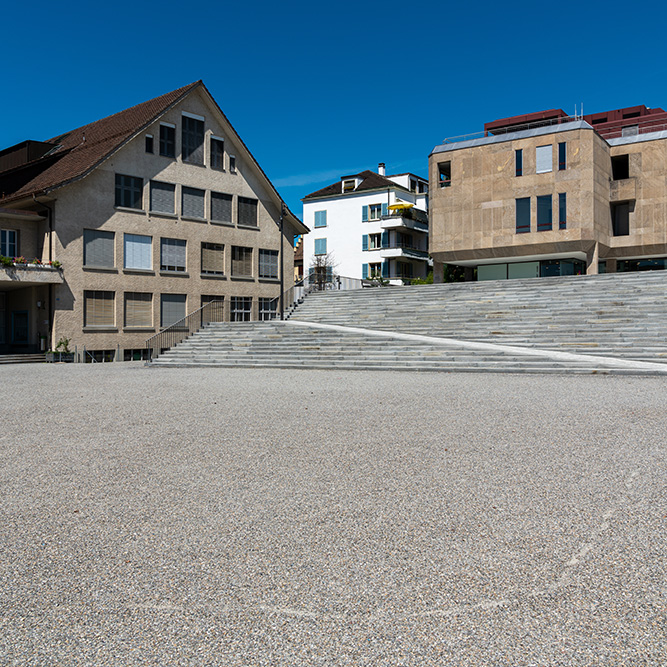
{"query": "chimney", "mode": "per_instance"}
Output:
(381, 169)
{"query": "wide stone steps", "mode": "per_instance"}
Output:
(22, 358)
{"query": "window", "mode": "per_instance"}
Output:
(149, 143)
(217, 154)
(221, 207)
(247, 210)
(192, 202)
(98, 248)
(320, 246)
(232, 164)
(8, 243)
(129, 190)
(543, 159)
(413, 185)
(162, 197)
(192, 140)
(168, 140)
(207, 298)
(371, 270)
(620, 167)
(213, 258)
(268, 263)
(172, 309)
(172, 255)
(241, 261)
(268, 309)
(620, 218)
(138, 252)
(562, 210)
(320, 218)
(522, 215)
(562, 156)
(518, 162)
(423, 187)
(240, 308)
(374, 241)
(98, 309)
(138, 309)
(349, 185)
(373, 212)
(445, 174)
(544, 223)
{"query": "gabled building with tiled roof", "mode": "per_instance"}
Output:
(369, 225)
(117, 229)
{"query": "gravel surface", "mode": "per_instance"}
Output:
(274, 517)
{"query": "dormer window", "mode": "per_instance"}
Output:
(349, 185)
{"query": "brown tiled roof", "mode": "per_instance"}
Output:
(370, 181)
(83, 149)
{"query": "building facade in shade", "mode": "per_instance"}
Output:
(150, 213)
(547, 194)
(369, 225)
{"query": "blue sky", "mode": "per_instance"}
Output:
(318, 91)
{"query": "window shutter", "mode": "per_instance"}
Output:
(221, 207)
(385, 269)
(138, 309)
(192, 140)
(98, 248)
(137, 251)
(247, 211)
(543, 159)
(364, 271)
(173, 308)
(384, 210)
(364, 214)
(212, 258)
(320, 218)
(99, 309)
(385, 239)
(162, 197)
(193, 203)
(173, 253)
(364, 242)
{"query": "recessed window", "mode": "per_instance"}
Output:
(445, 174)
(240, 308)
(562, 156)
(241, 261)
(232, 164)
(129, 190)
(162, 197)
(349, 185)
(522, 215)
(149, 143)
(518, 162)
(374, 241)
(98, 248)
(620, 167)
(423, 187)
(138, 252)
(268, 308)
(544, 214)
(217, 154)
(192, 202)
(247, 211)
(320, 218)
(213, 258)
(320, 246)
(413, 185)
(562, 210)
(620, 219)
(543, 159)
(268, 264)
(172, 255)
(8, 244)
(221, 207)
(168, 140)
(172, 309)
(98, 309)
(138, 309)
(192, 140)
(375, 270)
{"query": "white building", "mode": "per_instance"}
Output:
(369, 225)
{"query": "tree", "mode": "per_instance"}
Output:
(321, 271)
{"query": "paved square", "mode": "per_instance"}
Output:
(272, 517)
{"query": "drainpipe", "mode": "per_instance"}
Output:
(282, 260)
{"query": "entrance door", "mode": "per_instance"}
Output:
(20, 327)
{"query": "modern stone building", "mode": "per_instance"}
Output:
(150, 213)
(370, 225)
(548, 194)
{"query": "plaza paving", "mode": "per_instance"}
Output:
(273, 517)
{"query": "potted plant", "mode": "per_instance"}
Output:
(61, 353)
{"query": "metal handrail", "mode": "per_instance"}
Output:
(213, 311)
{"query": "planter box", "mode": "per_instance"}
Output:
(65, 357)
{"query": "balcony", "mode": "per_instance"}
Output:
(20, 274)
(623, 190)
(403, 250)
(406, 218)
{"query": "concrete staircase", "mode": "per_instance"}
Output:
(597, 324)
(22, 358)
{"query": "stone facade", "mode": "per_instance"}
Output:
(476, 185)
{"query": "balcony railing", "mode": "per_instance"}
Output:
(408, 247)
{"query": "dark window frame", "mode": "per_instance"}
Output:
(522, 211)
(192, 140)
(518, 162)
(129, 192)
(544, 213)
(217, 153)
(167, 141)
